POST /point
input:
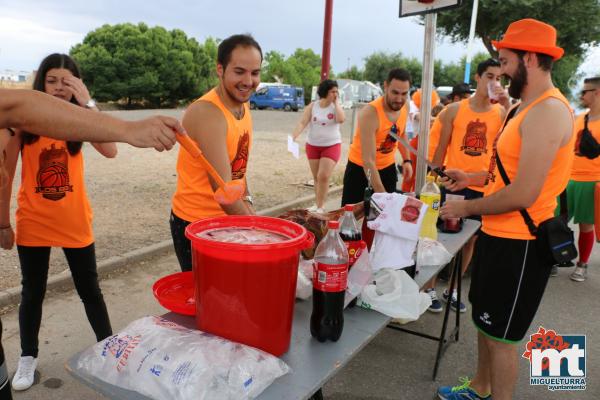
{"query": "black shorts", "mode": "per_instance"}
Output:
(355, 182)
(507, 284)
(469, 194)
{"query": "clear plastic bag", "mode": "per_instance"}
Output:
(396, 295)
(163, 360)
(431, 253)
(304, 283)
(359, 276)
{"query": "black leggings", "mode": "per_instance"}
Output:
(34, 271)
(5, 393)
(182, 245)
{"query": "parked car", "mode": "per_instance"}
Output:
(287, 98)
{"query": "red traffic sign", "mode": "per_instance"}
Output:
(419, 7)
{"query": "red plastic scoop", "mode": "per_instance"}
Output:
(228, 192)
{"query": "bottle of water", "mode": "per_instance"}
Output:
(430, 195)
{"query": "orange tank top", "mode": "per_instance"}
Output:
(511, 224)
(473, 134)
(435, 132)
(52, 204)
(384, 145)
(193, 199)
(584, 169)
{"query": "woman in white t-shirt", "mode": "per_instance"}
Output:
(324, 143)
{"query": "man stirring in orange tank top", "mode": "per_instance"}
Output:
(510, 268)
(221, 124)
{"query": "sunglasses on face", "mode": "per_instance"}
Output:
(584, 91)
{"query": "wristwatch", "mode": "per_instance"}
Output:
(90, 104)
(248, 199)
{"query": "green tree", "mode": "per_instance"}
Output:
(353, 73)
(378, 64)
(303, 68)
(577, 23)
(142, 64)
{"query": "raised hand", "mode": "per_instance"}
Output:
(78, 89)
(158, 132)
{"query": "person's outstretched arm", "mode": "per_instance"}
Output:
(37, 112)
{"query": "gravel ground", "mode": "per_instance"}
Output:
(131, 195)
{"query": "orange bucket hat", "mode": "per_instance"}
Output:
(530, 35)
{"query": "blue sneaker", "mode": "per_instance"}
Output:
(454, 301)
(461, 392)
(436, 304)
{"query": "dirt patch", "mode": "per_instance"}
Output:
(131, 195)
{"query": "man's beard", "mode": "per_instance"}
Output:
(393, 106)
(518, 82)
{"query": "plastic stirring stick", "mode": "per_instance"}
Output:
(228, 192)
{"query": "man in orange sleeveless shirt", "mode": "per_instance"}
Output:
(511, 268)
(221, 124)
(584, 176)
(372, 150)
(468, 130)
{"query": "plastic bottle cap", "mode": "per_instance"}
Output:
(333, 225)
(349, 207)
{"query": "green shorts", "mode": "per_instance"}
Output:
(580, 201)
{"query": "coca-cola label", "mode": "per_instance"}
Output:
(330, 277)
(354, 249)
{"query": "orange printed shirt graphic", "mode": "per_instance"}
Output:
(384, 144)
(473, 134)
(584, 169)
(511, 224)
(52, 204)
(194, 197)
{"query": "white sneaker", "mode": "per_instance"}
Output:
(314, 208)
(23, 378)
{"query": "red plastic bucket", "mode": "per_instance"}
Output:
(246, 292)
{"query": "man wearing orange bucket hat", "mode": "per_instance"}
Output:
(510, 267)
(585, 177)
(221, 125)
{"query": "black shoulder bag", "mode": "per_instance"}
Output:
(588, 145)
(554, 233)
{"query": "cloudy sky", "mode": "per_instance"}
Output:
(32, 29)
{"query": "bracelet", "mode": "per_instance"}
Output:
(407, 161)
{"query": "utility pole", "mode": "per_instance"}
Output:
(326, 40)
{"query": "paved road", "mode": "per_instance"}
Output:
(394, 366)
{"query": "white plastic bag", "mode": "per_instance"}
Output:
(396, 295)
(163, 360)
(359, 276)
(431, 253)
(304, 283)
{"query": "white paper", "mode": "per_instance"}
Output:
(293, 147)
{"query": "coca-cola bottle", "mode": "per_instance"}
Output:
(330, 276)
(351, 235)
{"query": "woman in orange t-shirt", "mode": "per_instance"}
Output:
(53, 211)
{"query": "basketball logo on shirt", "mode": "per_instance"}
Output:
(411, 210)
(240, 161)
(53, 173)
(387, 146)
(475, 140)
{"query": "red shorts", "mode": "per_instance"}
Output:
(333, 152)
